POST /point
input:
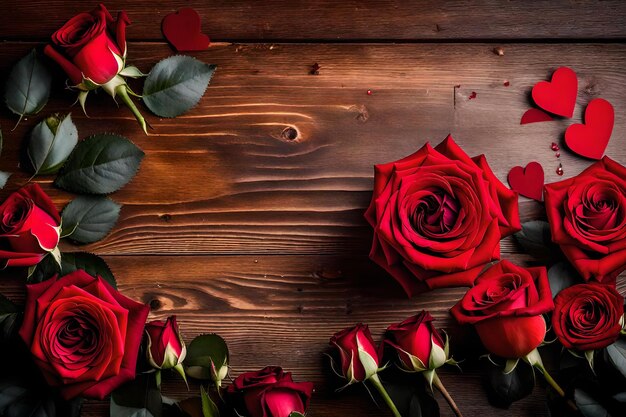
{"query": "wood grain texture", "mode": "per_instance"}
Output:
(331, 20)
(224, 179)
(283, 310)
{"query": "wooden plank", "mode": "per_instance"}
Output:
(283, 309)
(346, 20)
(225, 180)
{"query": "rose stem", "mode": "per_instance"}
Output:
(123, 93)
(555, 386)
(437, 383)
(379, 386)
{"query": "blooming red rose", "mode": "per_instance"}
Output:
(418, 344)
(438, 217)
(587, 216)
(91, 46)
(270, 392)
(30, 227)
(506, 306)
(83, 334)
(588, 316)
(166, 348)
(357, 352)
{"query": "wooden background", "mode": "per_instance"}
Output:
(246, 218)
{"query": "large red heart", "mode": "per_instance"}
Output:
(528, 181)
(182, 30)
(559, 95)
(590, 139)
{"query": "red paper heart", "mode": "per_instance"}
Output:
(591, 138)
(559, 95)
(534, 116)
(527, 181)
(182, 30)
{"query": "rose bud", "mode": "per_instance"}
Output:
(83, 334)
(587, 216)
(166, 348)
(506, 306)
(269, 392)
(30, 227)
(438, 217)
(418, 344)
(359, 358)
(91, 49)
(588, 317)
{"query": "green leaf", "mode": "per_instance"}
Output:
(28, 86)
(4, 176)
(51, 142)
(617, 355)
(296, 414)
(561, 275)
(87, 219)
(44, 270)
(90, 263)
(101, 164)
(589, 406)
(10, 318)
(536, 238)
(176, 84)
(506, 388)
(202, 352)
(209, 409)
(138, 398)
(26, 396)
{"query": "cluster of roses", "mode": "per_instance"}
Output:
(438, 218)
(85, 336)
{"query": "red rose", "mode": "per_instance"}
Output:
(30, 227)
(357, 351)
(588, 316)
(506, 306)
(270, 393)
(587, 216)
(83, 334)
(166, 348)
(418, 344)
(438, 217)
(91, 46)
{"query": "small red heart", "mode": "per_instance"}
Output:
(591, 139)
(534, 116)
(528, 181)
(182, 30)
(559, 95)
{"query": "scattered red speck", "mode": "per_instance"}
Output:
(473, 95)
(369, 92)
(554, 146)
(315, 69)
(457, 86)
(507, 83)
(558, 154)
(559, 170)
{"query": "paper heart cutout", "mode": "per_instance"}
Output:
(534, 116)
(527, 181)
(591, 138)
(557, 96)
(182, 30)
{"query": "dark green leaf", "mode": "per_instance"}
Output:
(87, 219)
(202, 352)
(90, 263)
(21, 396)
(4, 176)
(620, 397)
(10, 317)
(536, 239)
(209, 409)
(296, 414)
(176, 84)
(101, 164)
(28, 86)
(413, 398)
(617, 355)
(504, 389)
(138, 398)
(51, 142)
(44, 270)
(561, 275)
(588, 405)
